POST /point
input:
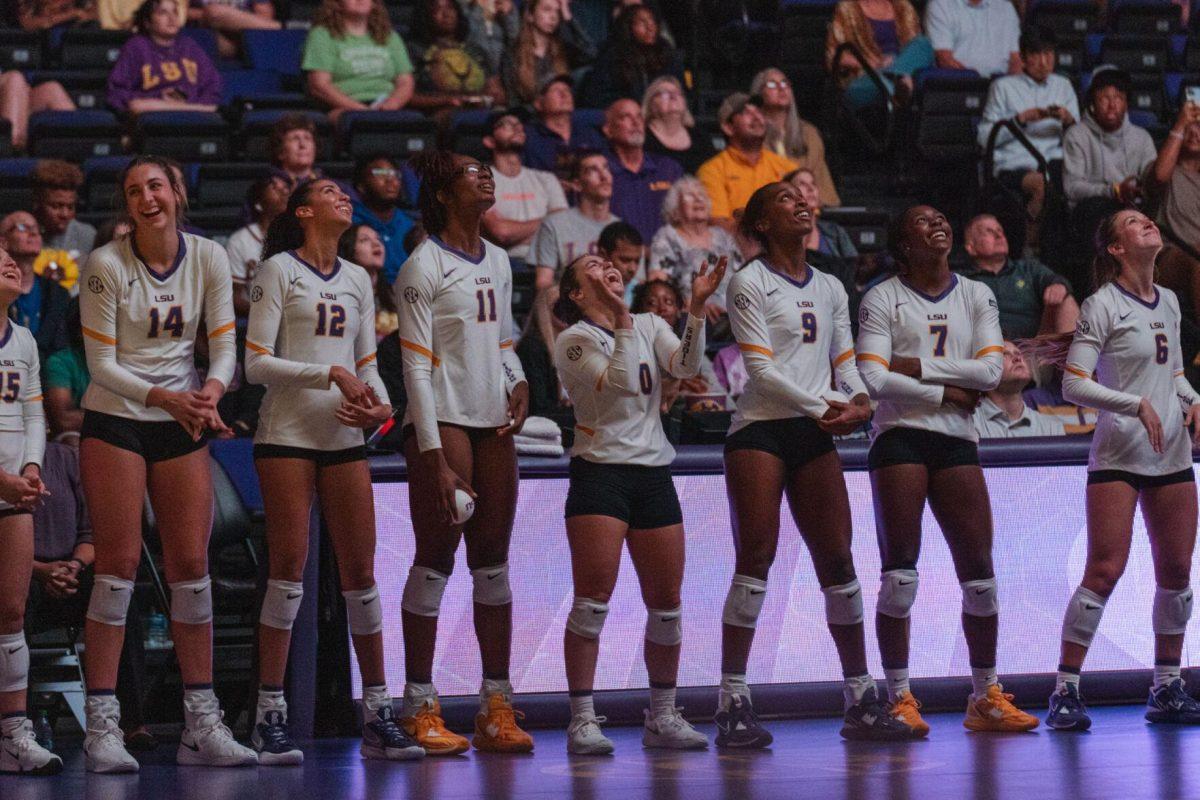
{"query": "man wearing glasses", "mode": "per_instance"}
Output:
(377, 181)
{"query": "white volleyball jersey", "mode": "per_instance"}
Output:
(614, 381)
(1125, 349)
(22, 421)
(957, 337)
(793, 335)
(302, 323)
(456, 333)
(140, 326)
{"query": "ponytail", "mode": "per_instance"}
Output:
(1105, 266)
(565, 308)
(285, 233)
(437, 171)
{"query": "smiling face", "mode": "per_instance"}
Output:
(20, 235)
(786, 216)
(10, 278)
(667, 101)
(585, 295)
(368, 249)
(1134, 234)
(926, 231)
(661, 300)
(473, 185)
(326, 204)
(150, 198)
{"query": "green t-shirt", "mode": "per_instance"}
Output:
(359, 67)
(67, 369)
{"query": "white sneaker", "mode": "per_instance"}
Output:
(209, 743)
(584, 737)
(104, 743)
(21, 753)
(672, 731)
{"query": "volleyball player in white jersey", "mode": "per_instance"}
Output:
(143, 300)
(928, 344)
(792, 326)
(22, 441)
(1125, 360)
(467, 395)
(311, 341)
(611, 364)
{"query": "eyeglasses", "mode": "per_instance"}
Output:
(22, 227)
(668, 91)
(475, 171)
(384, 172)
(779, 84)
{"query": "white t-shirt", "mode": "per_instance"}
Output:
(244, 248)
(981, 35)
(22, 421)
(530, 194)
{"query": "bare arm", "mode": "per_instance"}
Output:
(507, 232)
(141, 105)
(321, 87)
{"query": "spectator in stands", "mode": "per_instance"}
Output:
(1105, 157)
(550, 42)
(119, 14)
(669, 125)
(266, 199)
(42, 306)
(354, 59)
(688, 239)
(63, 573)
(55, 194)
(18, 100)
(451, 72)
(640, 179)
(492, 29)
(636, 54)
(745, 164)
(292, 147)
(888, 35)
(621, 244)
(65, 378)
(1043, 104)
(380, 194)
(1002, 412)
(1033, 299)
(1175, 179)
(159, 70)
(361, 245)
(115, 227)
(790, 136)
(524, 196)
(827, 237)
(42, 15)
(228, 18)
(983, 35)
(548, 140)
(664, 298)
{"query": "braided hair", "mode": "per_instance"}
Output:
(438, 170)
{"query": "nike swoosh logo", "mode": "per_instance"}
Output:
(195, 748)
(133, 281)
(197, 591)
(294, 596)
(901, 303)
(293, 281)
(11, 753)
(1090, 607)
(856, 591)
(493, 576)
(116, 588)
(431, 577)
(16, 649)
(773, 291)
(905, 583)
(670, 618)
(981, 591)
(597, 611)
(368, 601)
(757, 591)
(449, 273)
(1122, 319)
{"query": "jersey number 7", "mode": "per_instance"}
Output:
(938, 332)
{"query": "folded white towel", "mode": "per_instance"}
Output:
(533, 447)
(541, 428)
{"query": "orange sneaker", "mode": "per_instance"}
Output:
(429, 730)
(908, 710)
(995, 712)
(497, 731)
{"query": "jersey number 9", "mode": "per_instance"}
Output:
(172, 323)
(331, 320)
(808, 323)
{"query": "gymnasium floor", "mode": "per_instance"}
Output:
(1121, 758)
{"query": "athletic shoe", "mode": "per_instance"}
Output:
(739, 726)
(995, 712)
(908, 710)
(209, 743)
(869, 720)
(103, 743)
(383, 739)
(1067, 711)
(1171, 705)
(20, 753)
(496, 730)
(428, 729)
(274, 745)
(672, 731)
(584, 737)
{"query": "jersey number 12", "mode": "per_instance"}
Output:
(331, 320)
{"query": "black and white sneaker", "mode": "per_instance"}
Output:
(273, 743)
(869, 720)
(21, 754)
(738, 727)
(384, 739)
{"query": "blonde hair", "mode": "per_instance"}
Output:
(670, 206)
(792, 135)
(651, 90)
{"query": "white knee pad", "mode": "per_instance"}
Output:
(843, 604)
(744, 602)
(1083, 617)
(1172, 610)
(423, 591)
(281, 604)
(587, 617)
(364, 612)
(110, 600)
(191, 601)
(491, 585)
(897, 593)
(14, 662)
(664, 627)
(979, 598)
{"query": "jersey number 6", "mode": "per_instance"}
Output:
(1160, 348)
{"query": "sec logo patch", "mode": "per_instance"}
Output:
(741, 301)
(574, 352)
(1083, 327)
(863, 314)
(256, 294)
(95, 284)
(410, 294)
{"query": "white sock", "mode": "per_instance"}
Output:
(662, 701)
(200, 706)
(9, 725)
(490, 687)
(375, 698)
(732, 683)
(1066, 677)
(1164, 674)
(981, 679)
(417, 695)
(582, 705)
(855, 687)
(897, 683)
(269, 700)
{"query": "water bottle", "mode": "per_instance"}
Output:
(156, 631)
(43, 731)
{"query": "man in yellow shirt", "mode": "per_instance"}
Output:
(744, 165)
